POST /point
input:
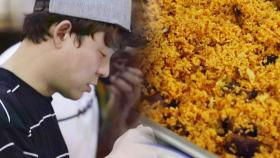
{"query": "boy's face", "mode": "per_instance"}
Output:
(83, 65)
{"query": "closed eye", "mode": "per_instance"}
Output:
(102, 54)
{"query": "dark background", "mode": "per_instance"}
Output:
(8, 38)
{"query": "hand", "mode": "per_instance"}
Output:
(126, 83)
(126, 92)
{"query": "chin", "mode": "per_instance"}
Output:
(74, 96)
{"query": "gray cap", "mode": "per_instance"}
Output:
(109, 11)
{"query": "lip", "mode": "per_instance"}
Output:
(88, 88)
(95, 81)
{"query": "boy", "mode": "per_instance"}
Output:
(66, 48)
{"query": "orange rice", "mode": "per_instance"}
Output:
(211, 61)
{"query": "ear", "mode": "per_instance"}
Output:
(61, 32)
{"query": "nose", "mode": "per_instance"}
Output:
(104, 70)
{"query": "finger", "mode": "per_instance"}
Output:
(115, 92)
(121, 84)
(135, 71)
(118, 100)
(114, 96)
(131, 78)
(130, 50)
(134, 82)
(133, 98)
(119, 104)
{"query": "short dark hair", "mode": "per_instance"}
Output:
(36, 28)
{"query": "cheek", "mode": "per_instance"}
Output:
(91, 65)
(95, 64)
(86, 65)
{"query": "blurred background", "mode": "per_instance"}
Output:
(11, 18)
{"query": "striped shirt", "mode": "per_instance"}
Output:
(28, 125)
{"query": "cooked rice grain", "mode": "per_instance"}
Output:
(197, 49)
